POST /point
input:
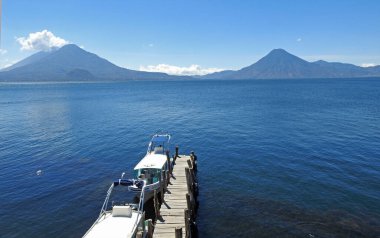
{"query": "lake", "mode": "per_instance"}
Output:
(276, 158)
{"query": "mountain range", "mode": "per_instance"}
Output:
(279, 64)
(72, 63)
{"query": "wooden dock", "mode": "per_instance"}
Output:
(177, 212)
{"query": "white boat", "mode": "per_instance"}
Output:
(150, 169)
(121, 215)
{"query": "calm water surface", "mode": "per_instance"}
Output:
(294, 158)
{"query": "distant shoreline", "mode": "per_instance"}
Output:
(175, 80)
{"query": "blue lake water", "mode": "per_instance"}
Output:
(277, 158)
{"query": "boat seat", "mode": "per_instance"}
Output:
(158, 150)
(122, 211)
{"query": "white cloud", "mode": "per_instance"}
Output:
(3, 52)
(299, 40)
(177, 70)
(42, 40)
(7, 65)
(368, 65)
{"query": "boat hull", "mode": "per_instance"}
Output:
(149, 190)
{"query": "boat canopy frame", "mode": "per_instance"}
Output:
(159, 143)
(124, 182)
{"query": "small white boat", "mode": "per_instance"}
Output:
(150, 169)
(121, 215)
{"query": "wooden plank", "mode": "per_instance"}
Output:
(171, 220)
(168, 234)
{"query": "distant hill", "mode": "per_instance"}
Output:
(374, 69)
(71, 63)
(279, 64)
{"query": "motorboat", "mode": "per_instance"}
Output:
(122, 213)
(151, 168)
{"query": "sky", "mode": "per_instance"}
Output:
(194, 36)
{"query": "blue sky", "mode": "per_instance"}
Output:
(213, 34)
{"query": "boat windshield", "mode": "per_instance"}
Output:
(149, 175)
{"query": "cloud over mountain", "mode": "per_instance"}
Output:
(368, 65)
(42, 40)
(177, 70)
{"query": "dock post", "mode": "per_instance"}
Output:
(188, 202)
(156, 204)
(167, 180)
(178, 232)
(164, 181)
(162, 188)
(190, 164)
(190, 205)
(187, 223)
(170, 167)
(193, 178)
(176, 152)
(193, 155)
(188, 180)
(150, 228)
(143, 218)
(194, 160)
